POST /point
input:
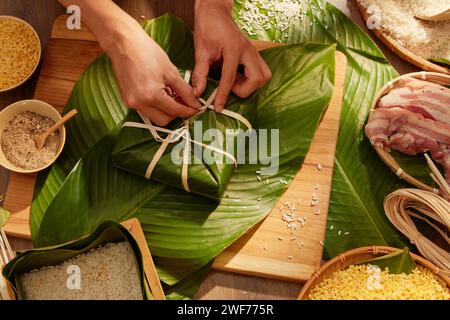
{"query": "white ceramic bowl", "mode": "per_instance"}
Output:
(42, 108)
(40, 52)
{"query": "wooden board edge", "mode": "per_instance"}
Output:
(229, 262)
(134, 226)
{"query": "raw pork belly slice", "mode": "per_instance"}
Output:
(410, 133)
(429, 99)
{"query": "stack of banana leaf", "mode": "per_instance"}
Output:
(186, 231)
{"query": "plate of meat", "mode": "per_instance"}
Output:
(409, 117)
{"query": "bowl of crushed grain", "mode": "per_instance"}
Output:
(19, 124)
(20, 52)
(342, 278)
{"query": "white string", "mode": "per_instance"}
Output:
(397, 206)
(183, 133)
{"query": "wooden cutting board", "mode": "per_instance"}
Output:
(267, 250)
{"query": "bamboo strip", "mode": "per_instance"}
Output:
(398, 206)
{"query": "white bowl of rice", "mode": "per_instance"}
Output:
(20, 52)
(19, 124)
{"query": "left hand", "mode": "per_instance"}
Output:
(218, 38)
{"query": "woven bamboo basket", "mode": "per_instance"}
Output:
(359, 255)
(401, 51)
(383, 152)
(151, 275)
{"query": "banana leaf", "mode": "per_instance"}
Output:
(97, 87)
(4, 216)
(107, 232)
(94, 192)
(442, 61)
(360, 179)
(186, 288)
(186, 231)
(208, 174)
(397, 262)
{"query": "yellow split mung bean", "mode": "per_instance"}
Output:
(353, 283)
(19, 52)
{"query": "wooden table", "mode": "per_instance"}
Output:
(41, 13)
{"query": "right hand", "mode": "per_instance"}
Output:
(146, 76)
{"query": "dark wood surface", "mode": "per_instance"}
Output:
(41, 14)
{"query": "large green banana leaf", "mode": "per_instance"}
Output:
(187, 288)
(185, 231)
(360, 180)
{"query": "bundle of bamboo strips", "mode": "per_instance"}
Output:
(404, 204)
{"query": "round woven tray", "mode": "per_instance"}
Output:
(401, 51)
(359, 255)
(383, 152)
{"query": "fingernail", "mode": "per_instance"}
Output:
(198, 105)
(219, 108)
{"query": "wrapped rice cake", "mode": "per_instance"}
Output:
(197, 155)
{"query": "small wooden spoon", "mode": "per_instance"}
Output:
(443, 16)
(40, 139)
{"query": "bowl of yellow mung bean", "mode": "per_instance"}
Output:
(347, 277)
(20, 52)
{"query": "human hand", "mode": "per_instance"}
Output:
(148, 81)
(218, 38)
(147, 78)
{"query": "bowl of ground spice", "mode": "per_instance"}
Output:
(19, 124)
(20, 52)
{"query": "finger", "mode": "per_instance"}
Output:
(184, 91)
(227, 80)
(267, 73)
(200, 74)
(168, 105)
(254, 78)
(157, 116)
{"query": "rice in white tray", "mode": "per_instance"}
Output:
(109, 272)
(430, 40)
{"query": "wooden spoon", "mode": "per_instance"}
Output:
(40, 139)
(443, 16)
